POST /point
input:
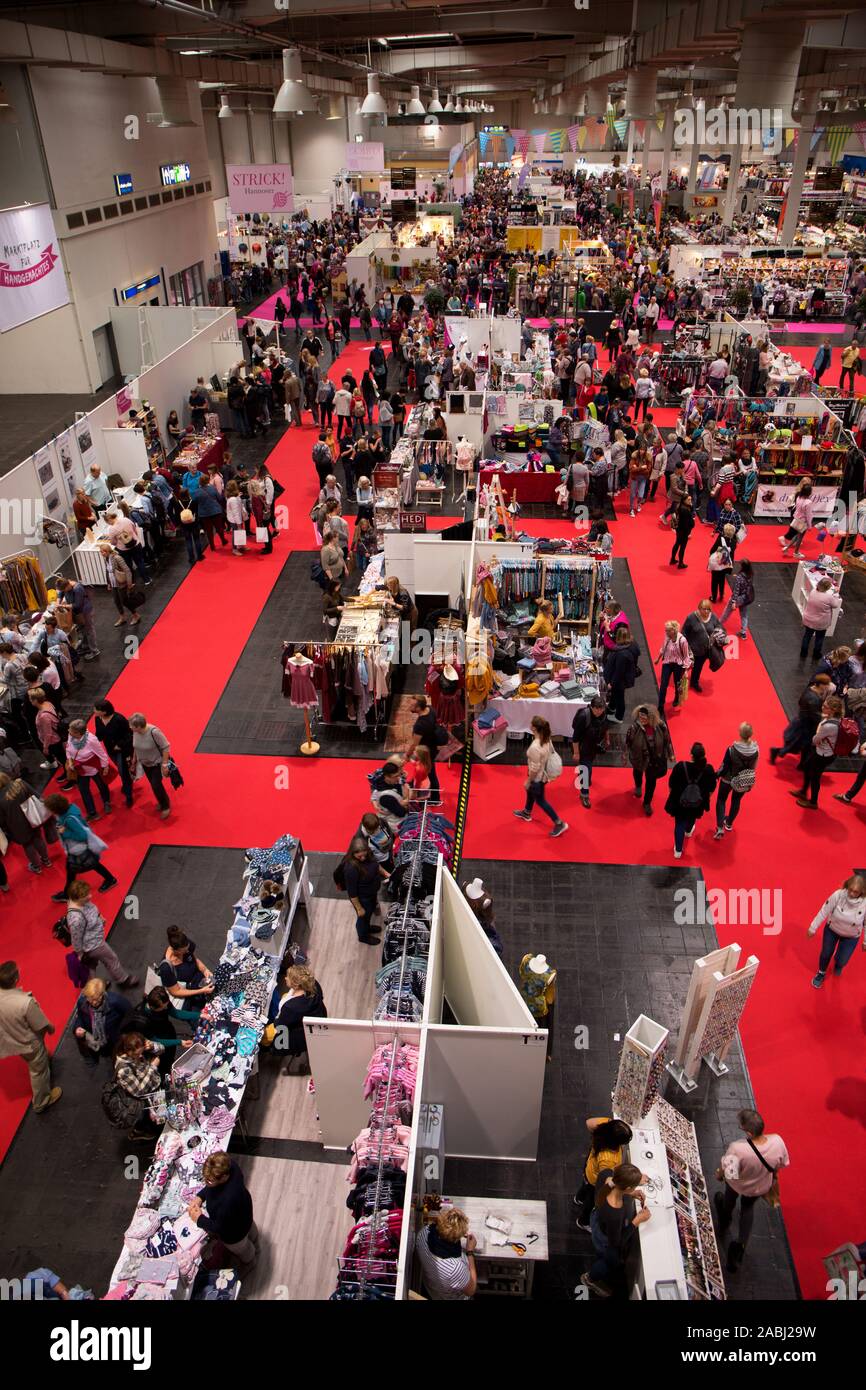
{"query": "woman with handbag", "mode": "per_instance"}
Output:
(742, 597)
(690, 787)
(736, 777)
(749, 1170)
(152, 753)
(676, 662)
(118, 577)
(700, 629)
(49, 731)
(22, 816)
(83, 848)
(86, 926)
(137, 1075)
(100, 1015)
(89, 765)
(649, 749)
(543, 765)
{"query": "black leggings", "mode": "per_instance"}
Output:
(73, 872)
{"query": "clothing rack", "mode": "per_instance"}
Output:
(22, 584)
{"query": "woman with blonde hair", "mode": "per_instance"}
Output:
(540, 771)
(445, 1250)
(842, 916)
(120, 581)
(99, 1018)
(676, 659)
(300, 998)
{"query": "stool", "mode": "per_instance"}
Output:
(489, 743)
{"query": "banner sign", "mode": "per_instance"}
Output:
(32, 279)
(367, 157)
(260, 187)
(70, 462)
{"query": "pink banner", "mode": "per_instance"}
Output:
(573, 131)
(14, 279)
(32, 278)
(539, 140)
(260, 187)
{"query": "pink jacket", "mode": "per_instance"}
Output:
(90, 758)
(819, 609)
(692, 473)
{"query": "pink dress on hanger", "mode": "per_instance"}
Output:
(303, 694)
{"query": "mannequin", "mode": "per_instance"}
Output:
(537, 983)
(303, 695)
(482, 905)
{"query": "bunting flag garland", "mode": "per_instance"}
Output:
(509, 145)
(768, 138)
(837, 138)
(816, 137)
(790, 132)
(573, 136)
(640, 130)
(621, 127)
(660, 121)
(557, 140)
(581, 137)
(610, 117)
(657, 214)
(518, 136)
(540, 140)
(483, 138)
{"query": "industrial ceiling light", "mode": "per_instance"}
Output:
(449, 105)
(415, 106)
(374, 103)
(334, 110)
(294, 98)
(225, 110)
(458, 105)
(435, 104)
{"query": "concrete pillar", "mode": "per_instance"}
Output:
(580, 103)
(640, 93)
(693, 169)
(769, 66)
(667, 146)
(597, 98)
(630, 152)
(798, 175)
(731, 197)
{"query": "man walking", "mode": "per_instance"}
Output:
(23, 1026)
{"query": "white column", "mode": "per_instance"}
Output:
(693, 170)
(736, 153)
(798, 175)
(667, 146)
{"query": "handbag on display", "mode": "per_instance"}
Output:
(35, 811)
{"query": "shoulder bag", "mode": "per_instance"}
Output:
(172, 770)
(772, 1196)
(35, 811)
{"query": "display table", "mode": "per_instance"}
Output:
(527, 487)
(501, 1270)
(519, 714)
(806, 581)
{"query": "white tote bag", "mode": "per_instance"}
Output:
(239, 539)
(35, 811)
(262, 535)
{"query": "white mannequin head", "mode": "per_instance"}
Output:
(475, 890)
(538, 965)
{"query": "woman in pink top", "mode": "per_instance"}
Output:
(800, 521)
(692, 475)
(612, 618)
(748, 1170)
(88, 761)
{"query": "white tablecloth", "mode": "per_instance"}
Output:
(520, 713)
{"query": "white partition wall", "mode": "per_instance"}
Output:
(478, 988)
(490, 1081)
(340, 1051)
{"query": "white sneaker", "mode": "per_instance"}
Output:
(678, 854)
(631, 513)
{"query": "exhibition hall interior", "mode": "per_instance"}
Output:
(433, 654)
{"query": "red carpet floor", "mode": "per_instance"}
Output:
(804, 1048)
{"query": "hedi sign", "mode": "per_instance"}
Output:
(260, 187)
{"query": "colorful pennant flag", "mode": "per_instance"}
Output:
(660, 121)
(524, 174)
(557, 140)
(657, 214)
(539, 138)
(573, 136)
(509, 145)
(640, 130)
(581, 137)
(621, 127)
(610, 117)
(518, 137)
(837, 138)
(790, 132)
(483, 139)
(816, 137)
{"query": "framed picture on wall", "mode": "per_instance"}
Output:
(52, 501)
(45, 473)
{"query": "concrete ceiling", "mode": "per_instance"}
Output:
(505, 46)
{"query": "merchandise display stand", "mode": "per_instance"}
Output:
(641, 1067)
(717, 995)
(205, 1126)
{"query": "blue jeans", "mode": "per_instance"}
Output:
(607, 1267)
(743, 612)
(808, 634)
(725, 791)
(386, 436)
(681, 828)
(671, 671)
(535, 797)
(635, 492)
(843, 947)
(86, 785)
(192, 536)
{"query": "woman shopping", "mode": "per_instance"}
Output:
(543, 766)
(83, 849)
(152, 755)
(87, 929)
(99, 1018)
(298, 998)
(88, 764)
(649, 750)
(736, 778)
(620, 1208)
(609, 1138)
(676, 662)
(363, 877)
(690, 787)
(19, 806)
(801, 521)
(842, 917)
(742, 597)
(620, 668)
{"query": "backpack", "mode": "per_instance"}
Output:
(553, 767)
(324, 392)
(122, 1110)
(691, 797)
(847, 738)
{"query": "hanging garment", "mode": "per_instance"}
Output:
(303, 695)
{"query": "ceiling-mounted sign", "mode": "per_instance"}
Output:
(122, 184)
(495, 129)
(365, 158)
(404, 179)
(260, 187)
(132, 291)
(32, 278)
(172, 174)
